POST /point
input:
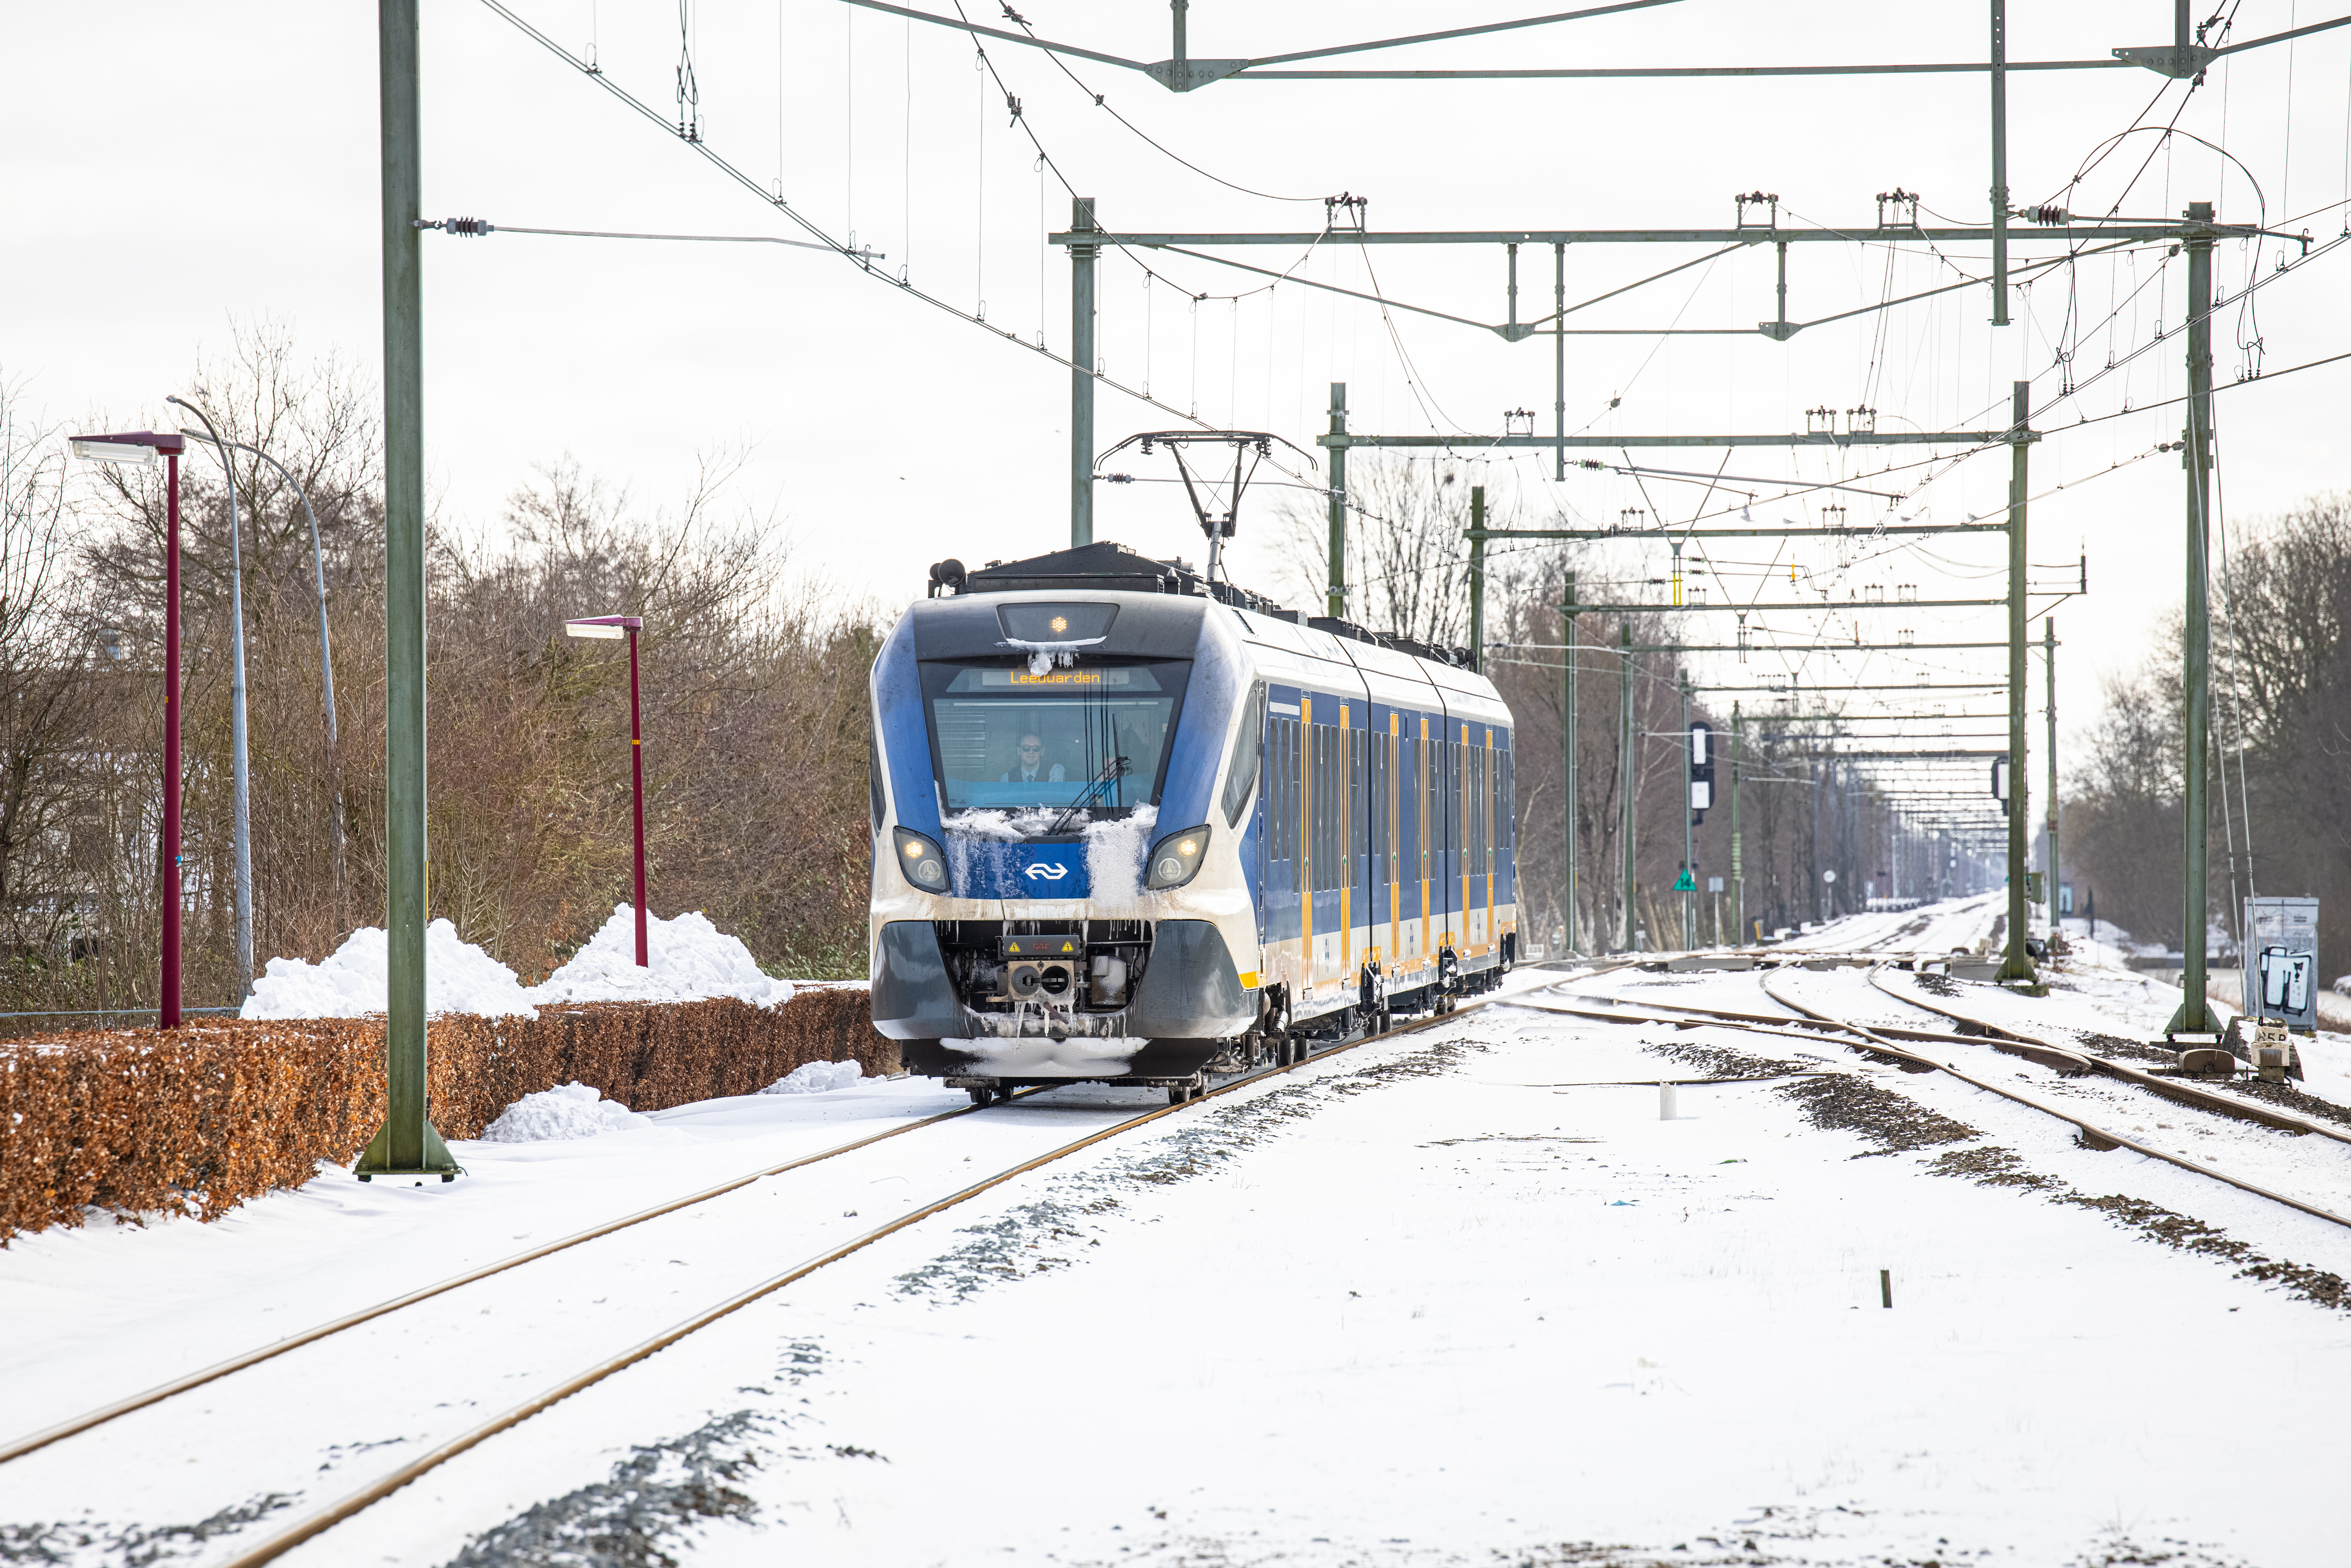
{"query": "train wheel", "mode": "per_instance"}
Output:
(980, 1096)
(1386, 1021)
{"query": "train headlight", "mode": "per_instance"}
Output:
(1175, 859)
(924, 865)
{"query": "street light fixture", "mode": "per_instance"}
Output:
(326, 668)
(616, 626)
(140, 447)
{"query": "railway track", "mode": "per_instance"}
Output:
(987, 1128)
(1801, 1020)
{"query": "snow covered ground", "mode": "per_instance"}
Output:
(1455, 1297)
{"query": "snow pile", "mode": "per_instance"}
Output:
(691, 959)
(816, 1078)
(355, 981)
(2342, 985)
(571, 1111)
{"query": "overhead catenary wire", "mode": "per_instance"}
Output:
(903, 283)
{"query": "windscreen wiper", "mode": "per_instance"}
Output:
(1113, 771)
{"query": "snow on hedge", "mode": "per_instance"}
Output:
(817, 1078)
(567, 1111)
(356, 980)
(692, 960)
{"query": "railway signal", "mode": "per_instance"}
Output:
(1701, 770)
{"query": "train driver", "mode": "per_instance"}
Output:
(1032, 765)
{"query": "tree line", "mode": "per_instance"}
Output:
(753, 691)
(2280, 801)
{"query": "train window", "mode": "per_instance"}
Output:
(1241, 776)
(1326, 807)
(1353, 826)
(1005, 738)
(1294, 804)
(879, 808)
(1425, 805)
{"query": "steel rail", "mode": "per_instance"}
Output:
(2092, 1135)
(2030, 1047)
(2175, 1090)
(384, 1485)
(163, 1391)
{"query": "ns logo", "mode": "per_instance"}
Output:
(1045, 872)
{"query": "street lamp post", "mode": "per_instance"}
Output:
(240, 767)
(326, 671)
(141, 446)
(628, 626)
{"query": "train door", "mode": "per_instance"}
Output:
(1432, 835)
(1282, 887)
(1477, 843)
(1391, 886)
(1354, 908)
(1325, 902)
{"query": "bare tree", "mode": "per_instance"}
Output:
(47, 693)
(1408, 566)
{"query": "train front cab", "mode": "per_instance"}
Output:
(1124, 982)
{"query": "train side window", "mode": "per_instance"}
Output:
(1456, 785)
(1240, 777)
(1326, 809)
(1480, 807)
(878, 806)
(1355, 798)
(1299, 805)
(1426, 772)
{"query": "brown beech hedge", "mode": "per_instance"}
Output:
(207, 1116)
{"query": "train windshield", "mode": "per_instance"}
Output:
(1005, 738)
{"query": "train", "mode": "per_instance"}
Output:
(1135, 824)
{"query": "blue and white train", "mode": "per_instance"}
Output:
(1132, 826)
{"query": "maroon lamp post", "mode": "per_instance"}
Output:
(628, 626)
(140, 447)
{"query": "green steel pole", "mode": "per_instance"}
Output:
(2051, 874)
(1999, 164)
(1477, 577)
(2017, 965)
(1082, 375)
(2196, 639)
(406, 1145)
(1338, 592)
(1568, 744)
(1632, 927)
(1559, 356)
(1737, 864)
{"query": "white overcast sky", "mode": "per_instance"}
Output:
(181, 167)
